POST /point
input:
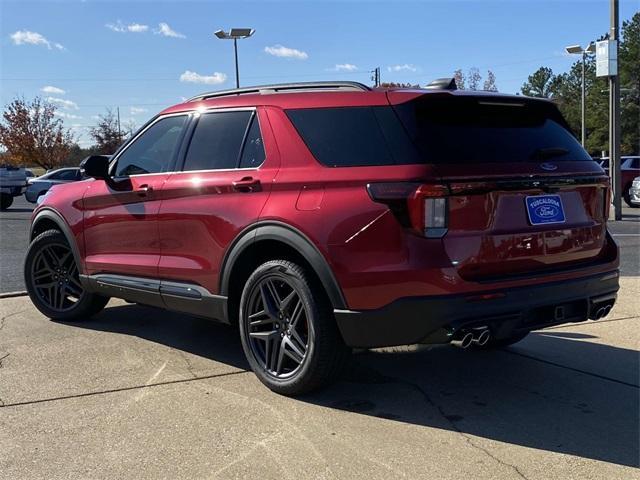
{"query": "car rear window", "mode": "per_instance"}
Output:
(354, 136)
(449, 129)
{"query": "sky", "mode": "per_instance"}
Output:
(143, 56)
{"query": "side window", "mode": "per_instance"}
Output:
(153, 151)
(253, 151)
(217, 141)
(66, 175)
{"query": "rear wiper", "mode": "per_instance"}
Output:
(544, 153)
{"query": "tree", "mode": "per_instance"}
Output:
(31, 134)
(541, 83)
(398, 85)
(472, 80)
(108, 134)
(629, 58)
(566, 90)
(490, 83)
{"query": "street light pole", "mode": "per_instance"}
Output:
(235, 51)
(235, 34)
(583, 132)
(577, 49)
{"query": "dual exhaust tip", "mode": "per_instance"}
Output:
(465, 338)
(602, 312)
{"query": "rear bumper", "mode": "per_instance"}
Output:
(435, 319)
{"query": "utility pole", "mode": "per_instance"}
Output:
(119, 134)
(583, 131)
(376, 77)
(614, 117)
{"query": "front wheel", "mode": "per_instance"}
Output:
(288, 331)
(52, 280)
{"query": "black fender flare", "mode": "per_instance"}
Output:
(292, 237)
(63, 226)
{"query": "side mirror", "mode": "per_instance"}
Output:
(96, 166)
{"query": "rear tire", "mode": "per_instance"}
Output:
(494, 343)
(288, 331)
(51, 276)
(6, 201)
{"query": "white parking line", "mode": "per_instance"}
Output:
(626, 234)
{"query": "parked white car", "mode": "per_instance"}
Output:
(634, 192)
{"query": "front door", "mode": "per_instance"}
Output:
(121, 216)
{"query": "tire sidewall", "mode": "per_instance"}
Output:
(49, 238)
(312, 311)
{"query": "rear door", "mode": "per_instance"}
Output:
(121, 216)
(524, 195)
(228, 168)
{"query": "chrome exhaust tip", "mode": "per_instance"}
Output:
(482, 338)
(463, 340)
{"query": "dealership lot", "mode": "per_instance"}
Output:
(138, 391)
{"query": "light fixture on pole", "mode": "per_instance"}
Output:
(578, 50)
(235, 34)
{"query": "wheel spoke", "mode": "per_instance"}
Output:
(293, 351)
(297, 314)
(284, 305)
(269, 303)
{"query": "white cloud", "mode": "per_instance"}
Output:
(345, 67)
(69, 116)
(26, 37)
(132, 27)
(407, 67)
(286, 52)
(165, 29)
(137, 110)
(52, 89)
(66, 104)
(193, 77)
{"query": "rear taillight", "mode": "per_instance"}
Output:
(423, 207)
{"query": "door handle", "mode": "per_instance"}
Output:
(144, 190)
(246, 184)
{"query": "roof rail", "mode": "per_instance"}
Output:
(284, 87)
(443, 84)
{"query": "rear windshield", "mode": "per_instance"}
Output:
(437, 129)
(450, 129)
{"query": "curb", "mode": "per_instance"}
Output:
(19, 293)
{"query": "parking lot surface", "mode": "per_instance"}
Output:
(138, 392)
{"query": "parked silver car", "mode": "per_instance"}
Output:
(634, 192)
(40, 185)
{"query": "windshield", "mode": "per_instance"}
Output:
(449, 129)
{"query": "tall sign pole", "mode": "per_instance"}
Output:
(607, 66)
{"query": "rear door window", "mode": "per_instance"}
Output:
(253, 150)
(217, 141)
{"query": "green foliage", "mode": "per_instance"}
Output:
(565, 90)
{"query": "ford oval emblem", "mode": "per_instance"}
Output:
(549, 167)
(547, 211)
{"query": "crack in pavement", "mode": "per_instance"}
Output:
(188, 362)
(4, 317)
(467, 437)
(122, 389)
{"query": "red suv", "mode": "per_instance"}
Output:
(320, 217)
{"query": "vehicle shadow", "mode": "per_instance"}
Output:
(506, 396)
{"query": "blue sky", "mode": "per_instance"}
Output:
(143, 56)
